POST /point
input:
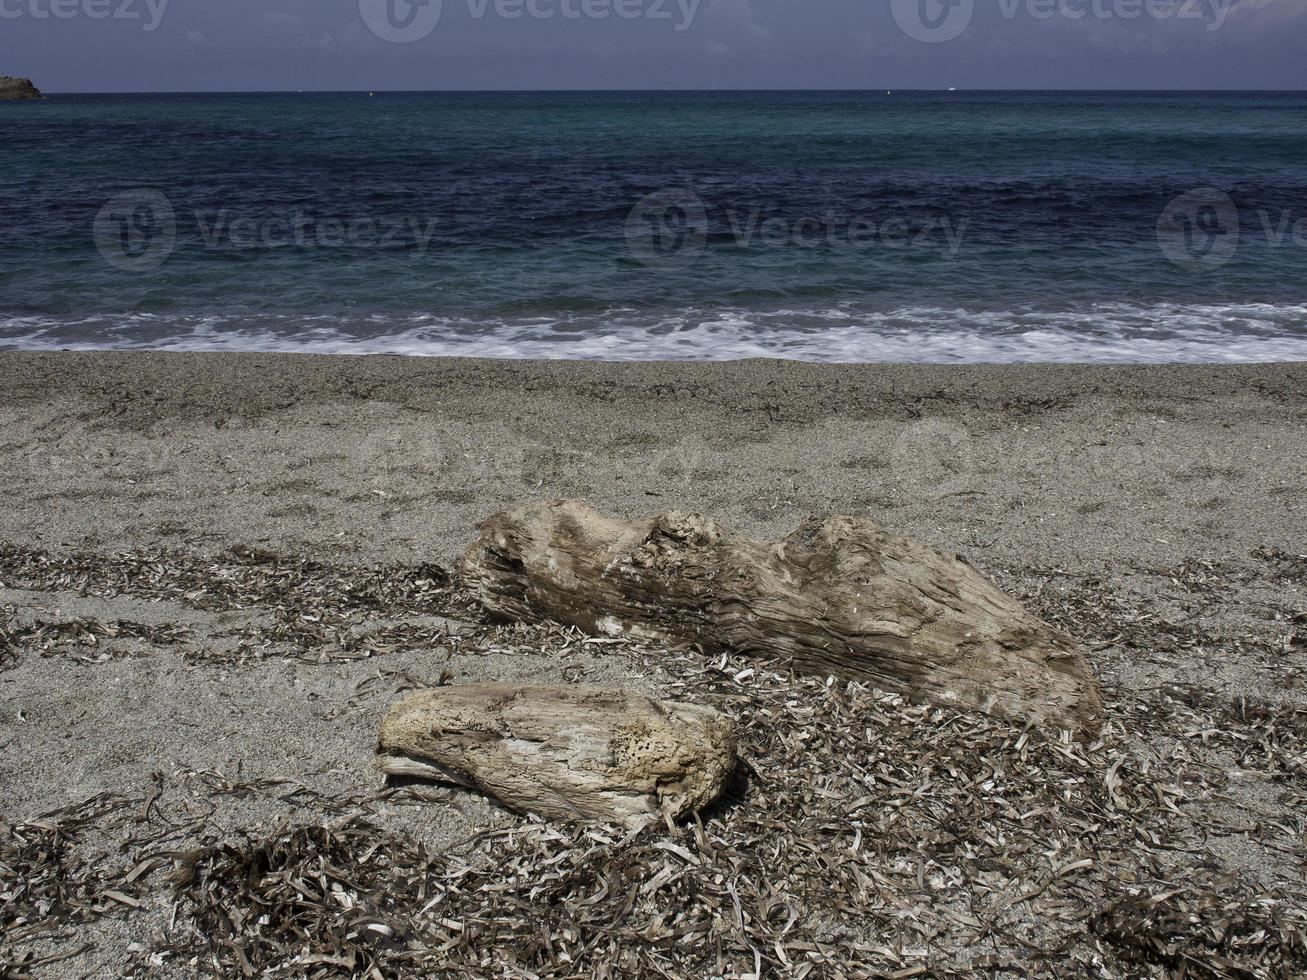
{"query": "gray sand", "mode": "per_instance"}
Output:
(400, 458)
(1047, 478)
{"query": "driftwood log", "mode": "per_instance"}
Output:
(565, 753)
(840, 597)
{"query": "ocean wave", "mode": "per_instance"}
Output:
(1105, 333)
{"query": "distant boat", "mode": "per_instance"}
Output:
(952, 90)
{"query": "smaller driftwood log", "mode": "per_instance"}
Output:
(566, 753)
(839, 597)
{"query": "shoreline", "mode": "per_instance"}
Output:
(1105, 333)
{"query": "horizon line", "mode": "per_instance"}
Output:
(673, 91)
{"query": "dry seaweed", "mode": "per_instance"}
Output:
(872, 838)
(316, 609)
(1284, 566)
(11, 642)
(1204, 931)
(320, 900)
(79, 639)
(869, 837)
(42, 885)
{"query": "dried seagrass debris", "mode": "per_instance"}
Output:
(42, 885)
(233, 579)
(77, 638)
(318, 613)
(316, 900)
(12, 641)
(1208, 927)
(1285, 566)
(870, 837)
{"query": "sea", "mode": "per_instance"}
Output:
(866, 226)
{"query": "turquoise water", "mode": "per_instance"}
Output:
(823, 226)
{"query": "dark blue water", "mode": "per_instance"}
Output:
(826, 226)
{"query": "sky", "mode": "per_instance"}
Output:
(288, 45)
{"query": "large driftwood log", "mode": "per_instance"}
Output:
(839, 597)
(570, 753)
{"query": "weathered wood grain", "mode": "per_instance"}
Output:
(568, 753)
(840, 596)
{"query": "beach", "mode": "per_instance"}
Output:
(218, 570)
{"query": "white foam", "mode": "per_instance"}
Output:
(1108, 333)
